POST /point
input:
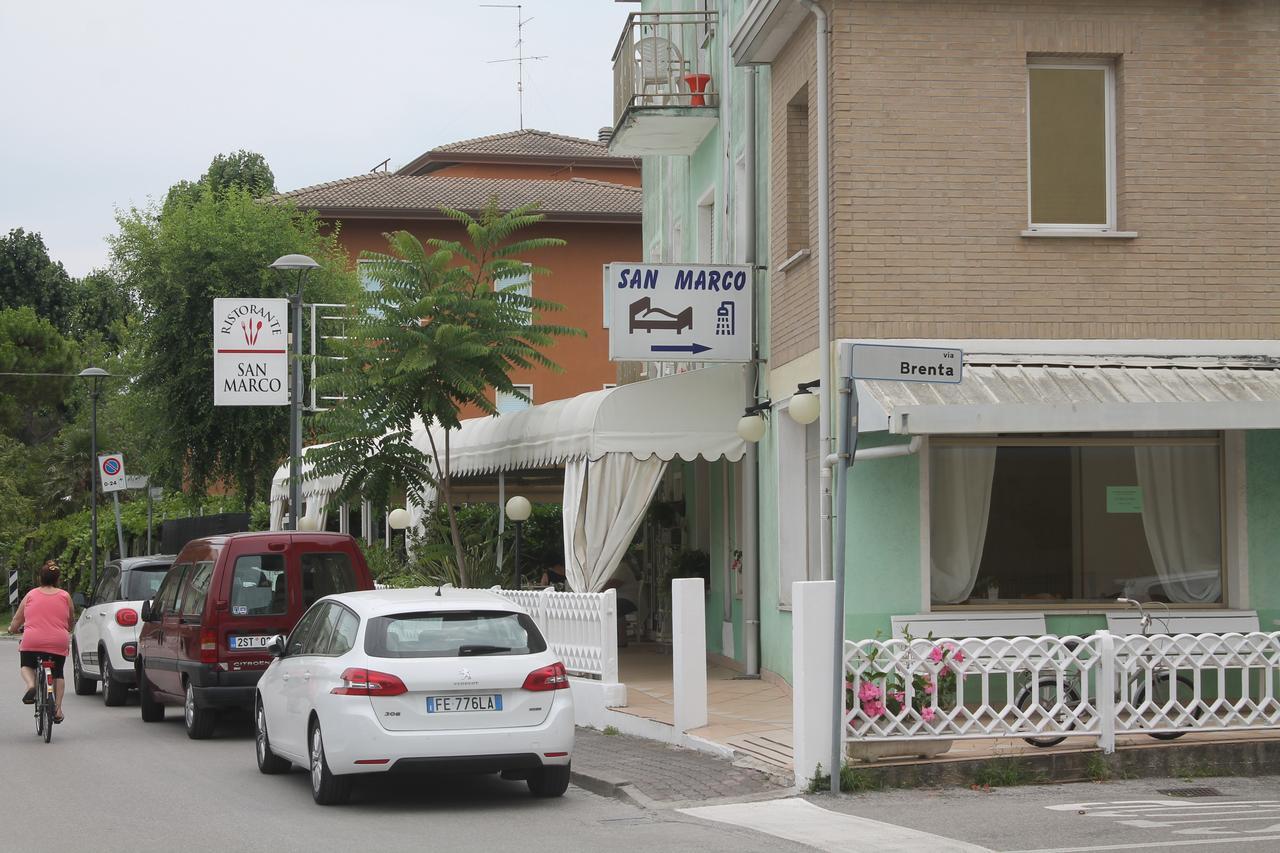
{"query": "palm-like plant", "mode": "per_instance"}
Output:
(436, 334)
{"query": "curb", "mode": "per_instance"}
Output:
(1154, 760)
(614, 787)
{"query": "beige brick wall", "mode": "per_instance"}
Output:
(930, 174)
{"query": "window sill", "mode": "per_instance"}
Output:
(1069, 232)
(790, 262)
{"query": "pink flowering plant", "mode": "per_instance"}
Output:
(872, 689)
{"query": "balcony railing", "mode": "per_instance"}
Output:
(661, 61)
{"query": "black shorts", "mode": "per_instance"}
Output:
(32, 660)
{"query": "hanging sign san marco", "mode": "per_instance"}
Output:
(250, 352)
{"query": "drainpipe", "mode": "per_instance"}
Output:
(821, 34)
(889, 451)
(750, 462)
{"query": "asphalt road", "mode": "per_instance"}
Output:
(1127, 815)
(110, 782)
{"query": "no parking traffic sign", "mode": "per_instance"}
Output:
(111, 472)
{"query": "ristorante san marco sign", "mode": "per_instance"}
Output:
(250, 352)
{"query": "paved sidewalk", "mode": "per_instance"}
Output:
(653, 774)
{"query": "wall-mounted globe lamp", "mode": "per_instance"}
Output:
(805, 406)
(751, 425)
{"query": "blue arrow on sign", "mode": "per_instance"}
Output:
(692, 349)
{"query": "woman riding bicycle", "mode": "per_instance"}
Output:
(49, 618)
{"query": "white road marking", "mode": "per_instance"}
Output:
(1151, 844)
(803, 822)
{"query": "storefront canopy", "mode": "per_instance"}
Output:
(1025, 393)
(687, 415)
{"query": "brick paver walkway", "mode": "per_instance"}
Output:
(665, 774)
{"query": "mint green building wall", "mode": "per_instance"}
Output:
(1262, 488)
(673, 188)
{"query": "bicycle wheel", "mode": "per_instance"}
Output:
(50, 705)
(1186, 693)
(1045, 694)
(39, 700)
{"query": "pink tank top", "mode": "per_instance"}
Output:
(46, 618)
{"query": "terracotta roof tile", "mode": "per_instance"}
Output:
(424, 195)
(532, 143)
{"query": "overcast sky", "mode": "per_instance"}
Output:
(106, 104)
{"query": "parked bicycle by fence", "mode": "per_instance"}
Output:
(1155, 687)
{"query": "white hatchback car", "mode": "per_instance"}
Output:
(105, 641)
(430, 680)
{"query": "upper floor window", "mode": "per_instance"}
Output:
(797, 176)
(505, 402)
(1071, 145)
(520, 281)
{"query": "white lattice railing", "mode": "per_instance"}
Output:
(581, 627)
(1051, 687)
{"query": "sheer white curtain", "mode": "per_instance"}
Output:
(277, 514)
(604, 503)
(1180, 515)
(317, 510)
(959, 507)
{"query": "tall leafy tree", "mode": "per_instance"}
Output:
(177, 259)
(99, 308)
(29, 277)
(34, 361)
(243, 170)
(438, 333)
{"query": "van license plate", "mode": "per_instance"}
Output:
(252, 641)
(453, 704)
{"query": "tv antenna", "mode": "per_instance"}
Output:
(519, 59)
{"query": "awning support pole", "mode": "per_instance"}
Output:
(848, 422)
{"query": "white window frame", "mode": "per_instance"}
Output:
(794, 523)
(527, 389)
(706, 248)
(1067, 229)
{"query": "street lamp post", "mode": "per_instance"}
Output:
(303, 265)
(96, 375)
(518, 510)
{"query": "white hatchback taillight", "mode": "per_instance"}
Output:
(548, 678)
(126, 617)
(358, 681)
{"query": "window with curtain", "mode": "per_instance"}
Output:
(1071, 144)
(1082, 519)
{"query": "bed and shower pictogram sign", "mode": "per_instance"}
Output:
(679, 312)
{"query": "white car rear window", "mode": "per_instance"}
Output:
(452, 633)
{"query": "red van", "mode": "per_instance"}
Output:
(204, 637)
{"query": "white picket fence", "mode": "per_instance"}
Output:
(1044, 687)
(581, 627)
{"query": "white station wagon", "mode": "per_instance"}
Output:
(415, 680)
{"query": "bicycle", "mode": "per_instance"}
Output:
(46, 699)
(1046, 693)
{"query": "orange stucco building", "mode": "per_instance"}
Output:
(590, 199)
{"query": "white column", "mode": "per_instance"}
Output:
(689, 653)
(813, 609)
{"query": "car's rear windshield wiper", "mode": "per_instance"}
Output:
(478, 649)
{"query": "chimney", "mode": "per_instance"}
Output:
(604, 134)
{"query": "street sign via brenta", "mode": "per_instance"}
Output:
(680, 312)
(908, 364)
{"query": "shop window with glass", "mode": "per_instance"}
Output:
(1076, 519)
(1071, 145)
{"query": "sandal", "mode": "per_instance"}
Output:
(59, 718)
(29, 698)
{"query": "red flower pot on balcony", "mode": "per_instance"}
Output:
(697, 84)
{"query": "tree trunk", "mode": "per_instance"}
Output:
(445, 490)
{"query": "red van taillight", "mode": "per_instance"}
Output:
(208, 645)
(548, 678)
(358, 681)
(126, 617)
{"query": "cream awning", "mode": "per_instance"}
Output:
(687, 415)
